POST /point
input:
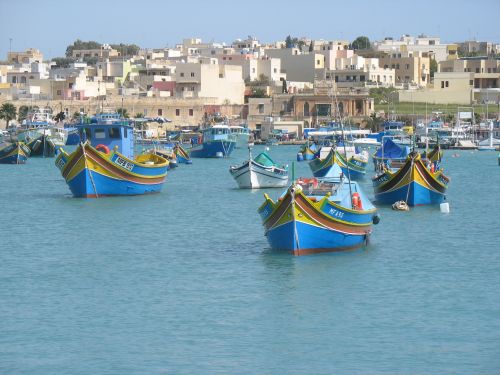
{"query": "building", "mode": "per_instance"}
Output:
(411, 68)
(473, 47)
(464, 81)
(431, 46)
(26, 57)
(207, 79)
(298, 66)
(357, 71)
(105, 52)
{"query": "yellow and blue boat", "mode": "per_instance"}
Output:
(182, 155)
(414, 183)
(319, 215)
(14, 153)
(307, 152)
(104, 164)
(353, 166)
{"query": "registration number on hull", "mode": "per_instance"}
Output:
(124, 164)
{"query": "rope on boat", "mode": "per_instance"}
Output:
(90, 172)
(296, 235)
(403, 205)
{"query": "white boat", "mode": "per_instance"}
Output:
(241, 134)
(491, 143)
(261, 172)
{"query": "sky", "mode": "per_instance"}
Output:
(52, 25)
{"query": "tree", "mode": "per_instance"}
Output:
(263, 79)
(139, 115)
(434, 67)
(311, 46)
(288, 42)
(383, 95)
(63, 62)
(60, 116)
(126, 49)
(258, 93)
(123, 112)
(79, 44)
(8, 112)
(361, 42)
(76, 115)
(24, 110)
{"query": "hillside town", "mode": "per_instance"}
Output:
(298, 83)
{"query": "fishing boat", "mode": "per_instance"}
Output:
(13, 153)
(241, 135)
(319, 215)
(353, 165)
(182, 155)
(217, 142)
(103, 164)
(40, 135)
(307, 151)
(415, 183)
(261, 172)
(388, 153)
(166, 153)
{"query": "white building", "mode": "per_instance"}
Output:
(421, 44)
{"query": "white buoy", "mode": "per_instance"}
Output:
(445, 208)
(267, 148)
(219, 154)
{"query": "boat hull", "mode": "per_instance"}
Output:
(254, 176)
(412, 183)
(91, 174)
(301, 226)
(214, 149)
(42, 146)
(14, 154)
(355, 168)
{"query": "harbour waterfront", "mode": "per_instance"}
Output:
(184, 282)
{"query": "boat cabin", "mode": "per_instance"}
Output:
(109, 130)
(216, 133)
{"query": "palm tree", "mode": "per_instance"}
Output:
(8, 112)
(123, 112)
(60, 116)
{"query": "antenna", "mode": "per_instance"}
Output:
(334, 94)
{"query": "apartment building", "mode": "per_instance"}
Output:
(208, 79)
(410, 67)
(431, 46)
(298, 66)
(357, 71)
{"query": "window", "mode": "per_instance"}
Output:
(114, 133)
(192, 74)
(275, 70)
(306, 109)
(160, 112)
(182, 74)
(191, 112)
(386, 66)
(323, 109)
(318, 62)
(125, 132)
(397, 66)
(261, 108)
(177, 112)
(362, 78)
(59, 92)
(99, 134)
(471, 82)
(407, 66)
(230, 58)
(446, 83)
(442, 84)
(253, 70)
(477, 70)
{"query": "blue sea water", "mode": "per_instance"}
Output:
(184, 282)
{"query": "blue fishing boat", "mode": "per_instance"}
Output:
(103, 164)
(13, 153)
(182, 155)
(353, 166)
(307, 151)
(415, 183)
(390, 153)
(217, 142)
(319, 215)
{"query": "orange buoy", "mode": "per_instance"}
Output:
(356, 201)
(102, 148)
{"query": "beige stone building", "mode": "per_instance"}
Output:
(26, 57)
(410, 67)
(357, 71)
(224, 83)
(105, 52)
(298, 66)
